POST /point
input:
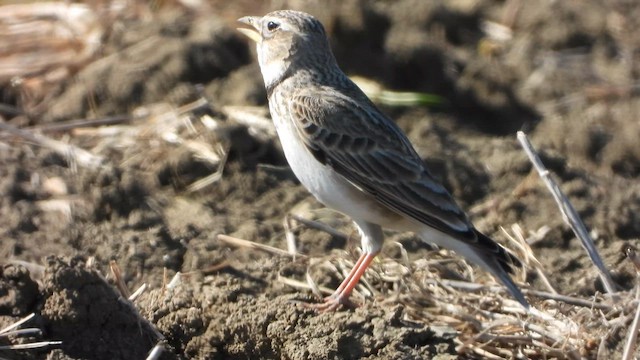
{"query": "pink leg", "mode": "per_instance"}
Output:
(342, 293)
(346, 280)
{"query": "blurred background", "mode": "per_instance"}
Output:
(135, 131)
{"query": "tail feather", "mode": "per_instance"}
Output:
(506, 260)
(500, 263)
(482, 251)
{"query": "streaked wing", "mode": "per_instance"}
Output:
(371, 152)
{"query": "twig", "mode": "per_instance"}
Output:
(156, 352)
(309, 284)
(138, 292)
(83, 123)
(20, 332)
(253, 245)
(315, 288)
(119, 279)
(469, 286)
(72, 153)
(199, 104)
(289, 235)
(10, 331)
(257, 124)
(27, 346)
(17, 323)
(569, 213)
(175, 281)
(320, 226)
(213, 178)
(522, 243)
(213, 268)
(633, 332)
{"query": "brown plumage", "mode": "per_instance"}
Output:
(351, 156)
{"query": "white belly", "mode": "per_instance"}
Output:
(326, 185)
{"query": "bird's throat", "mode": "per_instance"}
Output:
(272, 79)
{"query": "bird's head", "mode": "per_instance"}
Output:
(286, 40)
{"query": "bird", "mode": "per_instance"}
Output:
(352, 157)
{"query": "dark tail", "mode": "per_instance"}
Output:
(501, 263)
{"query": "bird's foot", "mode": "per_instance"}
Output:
(331, 303)
(340, 298)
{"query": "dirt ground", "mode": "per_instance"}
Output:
(563, 71)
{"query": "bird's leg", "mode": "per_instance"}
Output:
(372, 238)
(346, 280)
(342, 293)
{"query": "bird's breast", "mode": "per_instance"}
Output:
(319, 179)
(322, 181)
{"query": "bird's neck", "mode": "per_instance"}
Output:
(312, 74)
(273, 74)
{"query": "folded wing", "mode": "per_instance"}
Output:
(371, 152)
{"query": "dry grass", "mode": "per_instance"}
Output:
(13, 333)
(489, 323)
(46, 43)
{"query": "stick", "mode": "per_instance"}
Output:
(84, 123)
(156, 352)
(17, 323)
(33, 345)
(524, 247)
(71, 153)
(569, 213)
(119, 279)
(306, 285)
(138, 292)
(11, 331)
(213, 178)
(320, 226)
(253, 245)
(21, 332)
(633, 332)
(289, 235)
(469, 286)
(259, 126)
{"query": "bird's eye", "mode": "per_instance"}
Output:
(271, 25)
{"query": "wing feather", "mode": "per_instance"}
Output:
(371, 152)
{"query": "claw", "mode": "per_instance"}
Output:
(331, 303)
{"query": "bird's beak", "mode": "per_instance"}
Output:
(254, 33)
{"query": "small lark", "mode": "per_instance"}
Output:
(352, 157)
